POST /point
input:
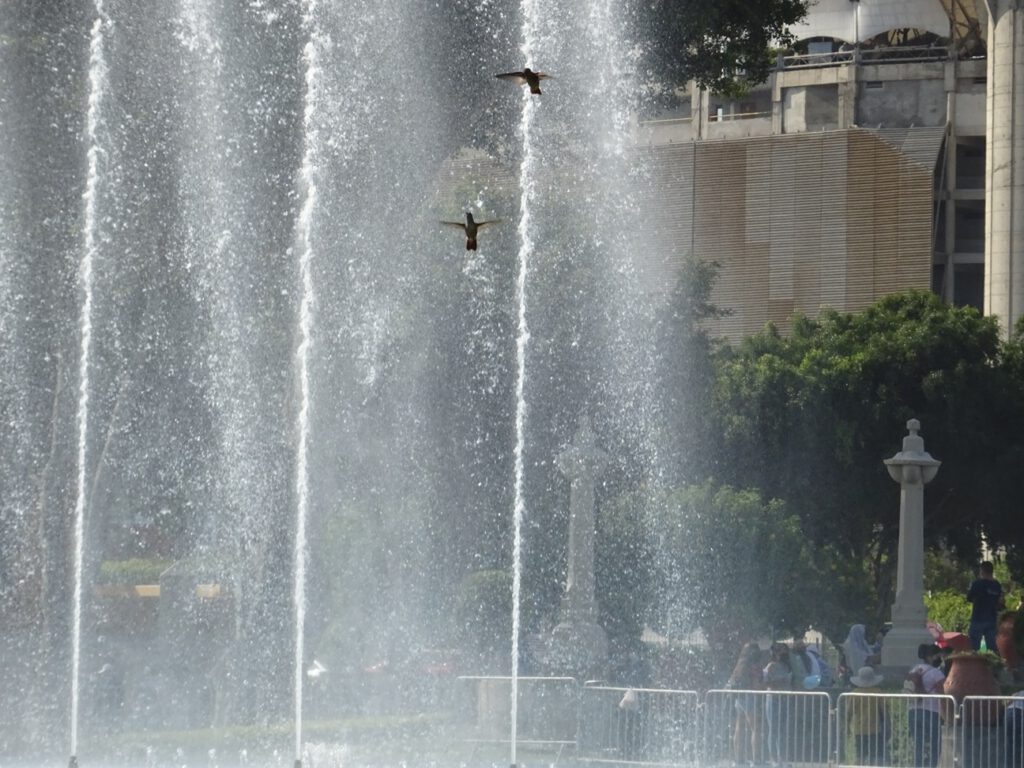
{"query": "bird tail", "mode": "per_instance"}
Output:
(471, 244)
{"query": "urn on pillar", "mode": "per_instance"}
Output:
(912, 468)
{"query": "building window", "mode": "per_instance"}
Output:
(969, 286)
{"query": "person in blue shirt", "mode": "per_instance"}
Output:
(986, 598)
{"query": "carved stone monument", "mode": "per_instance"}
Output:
(911, 468)
(578, 645)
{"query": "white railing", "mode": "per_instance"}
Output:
(547, 712)
(766, 727)
(883, 55)
(811, 729)
(876, 729)
(648, 726)
(991, 732)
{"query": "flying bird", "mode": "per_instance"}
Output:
(526, 77)
(471, 228)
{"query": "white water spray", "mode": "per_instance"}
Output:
(526, 181)
(308, 176)
(97, 88)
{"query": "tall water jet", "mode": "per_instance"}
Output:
(97, 88)
(527, 180)
(308, 180)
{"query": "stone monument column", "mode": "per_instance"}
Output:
(579, 646)
(911, 468)
(1004, 163)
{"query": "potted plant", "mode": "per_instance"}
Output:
(973, 673)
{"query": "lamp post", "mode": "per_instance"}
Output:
(912, 468)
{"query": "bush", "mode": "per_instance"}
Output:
(130, 572)
(950, 609)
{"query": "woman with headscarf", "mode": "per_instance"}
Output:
(856, 649)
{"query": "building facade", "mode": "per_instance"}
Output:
(884, 153)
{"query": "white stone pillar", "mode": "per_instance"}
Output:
(578, 645)
(911, 468)
(1004, 164)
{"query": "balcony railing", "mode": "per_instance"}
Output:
(887, 55)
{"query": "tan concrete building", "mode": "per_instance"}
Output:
(862, 167)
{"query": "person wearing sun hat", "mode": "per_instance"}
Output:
(866, 717)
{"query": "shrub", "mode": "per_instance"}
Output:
(130, 572)
(950, 609)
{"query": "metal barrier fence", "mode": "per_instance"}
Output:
(766, 727)
(547, 710)
(659, 727)
(638, 725)
(894, 730)
(991, 732)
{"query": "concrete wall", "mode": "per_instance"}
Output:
(807, 109)
(901, 103)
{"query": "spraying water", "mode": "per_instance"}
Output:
(305, 245)
(97, 87)
(527, 180)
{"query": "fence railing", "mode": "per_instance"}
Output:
(880, 55)
(875, 729)
(596, 723)
(638, 725)
(763, 727)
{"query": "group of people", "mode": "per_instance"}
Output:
(759, 718)
(867, 717)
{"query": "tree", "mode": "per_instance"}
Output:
(741, 562)
(810, 418)
(725, 46)
(685, 373)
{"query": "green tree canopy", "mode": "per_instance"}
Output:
(725, 46)
(715, 558)
(811, 417)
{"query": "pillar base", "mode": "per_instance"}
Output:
(578, 649)
(899, 650)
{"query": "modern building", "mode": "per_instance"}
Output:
(885, 152)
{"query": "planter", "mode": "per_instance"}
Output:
(973, 674)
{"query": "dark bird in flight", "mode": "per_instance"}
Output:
(471, 228)
(526, 77)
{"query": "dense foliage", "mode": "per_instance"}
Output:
(810, 417)
(726, 46)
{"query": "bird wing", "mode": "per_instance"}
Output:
(458, 224)
(543, 76)
(517, 76)
(482, 224)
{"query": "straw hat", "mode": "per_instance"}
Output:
(867, 677)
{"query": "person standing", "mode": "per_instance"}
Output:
(866, 717)
(778, 676)
(923, 719)
(986, 598)
(746, 680)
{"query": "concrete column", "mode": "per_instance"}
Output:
(911, 468)
(949, 190)
(777, 106)
(700, 105)
(578, 645)
(1004, 164)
